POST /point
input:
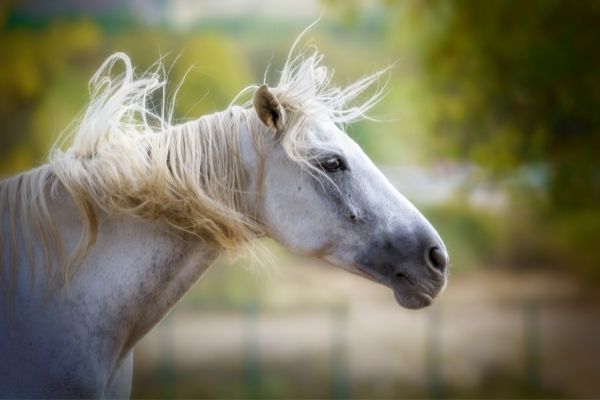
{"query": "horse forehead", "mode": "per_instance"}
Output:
(331, 135)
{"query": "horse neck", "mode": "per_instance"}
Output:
(147, 266)
(150, 270)
(151, 265)
(135, 273)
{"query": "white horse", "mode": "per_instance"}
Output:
(100, 243)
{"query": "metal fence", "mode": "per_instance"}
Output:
(340, 385)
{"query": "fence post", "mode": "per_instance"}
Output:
(251, 351)
(166, 365)
(532, 353)
(339, 373)
(433, 359)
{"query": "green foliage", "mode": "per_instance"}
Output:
(572, 239)
(471, 235)
(512, 83)
(44, 75)
(33, 62)
(519, 238)
(209, 86)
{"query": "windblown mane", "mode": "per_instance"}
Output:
(127, 157)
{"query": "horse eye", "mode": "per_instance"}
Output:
(332, 164)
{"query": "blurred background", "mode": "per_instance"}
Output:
(490, 126)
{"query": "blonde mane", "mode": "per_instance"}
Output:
(127, 157)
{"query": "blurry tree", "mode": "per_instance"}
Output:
(512, 86)
(32, 62)
(215, 70)
(45, 68)
(513, 83)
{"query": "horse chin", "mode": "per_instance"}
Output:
(407, 295)
(412, 300)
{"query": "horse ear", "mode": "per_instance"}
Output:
(268, 108)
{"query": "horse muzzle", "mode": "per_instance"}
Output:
(414, 267)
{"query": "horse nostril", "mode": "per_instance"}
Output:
(438, 259)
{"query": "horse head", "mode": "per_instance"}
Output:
(320, 194)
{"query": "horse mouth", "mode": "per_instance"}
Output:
(407, 292)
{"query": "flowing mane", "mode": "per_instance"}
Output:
(127, 157)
